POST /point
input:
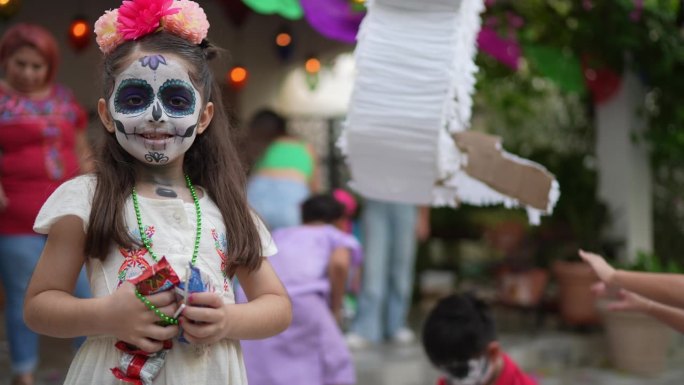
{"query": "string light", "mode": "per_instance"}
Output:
(312, 65)
(284, 42)
(237, 77)
(283, 39)
(79, 33)
(78, 28)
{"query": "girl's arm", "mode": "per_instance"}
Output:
(51, 309)
(207, 319)
(338, 271)
(314, 182)
(628, 301)
(659, 287)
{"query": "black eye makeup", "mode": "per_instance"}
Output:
(133, 96)
(177, 98)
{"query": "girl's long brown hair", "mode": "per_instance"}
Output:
(211, 162)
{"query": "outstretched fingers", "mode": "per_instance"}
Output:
(602, 269)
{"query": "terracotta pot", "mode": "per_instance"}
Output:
(637, 343)
(524, 288)
(575, 299)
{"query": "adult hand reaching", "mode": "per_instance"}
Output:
(604, 271)
(622, 300)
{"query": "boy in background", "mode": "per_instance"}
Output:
(460, 340)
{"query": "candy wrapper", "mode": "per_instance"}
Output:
(160, 277)
(137, 366)
(195, 282)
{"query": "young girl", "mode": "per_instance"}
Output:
(168, 183)
(313, 261)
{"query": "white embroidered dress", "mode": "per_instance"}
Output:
(170, 224)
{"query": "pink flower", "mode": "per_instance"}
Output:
(190, 23)
(138, 18)
(107, 37)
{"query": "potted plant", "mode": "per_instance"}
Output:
(580, 220)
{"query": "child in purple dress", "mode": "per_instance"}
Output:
(312, 262)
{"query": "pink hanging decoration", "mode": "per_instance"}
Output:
(507, 51)
(635, 15)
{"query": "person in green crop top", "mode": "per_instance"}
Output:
(283, 170)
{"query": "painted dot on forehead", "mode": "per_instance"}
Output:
(153, 61)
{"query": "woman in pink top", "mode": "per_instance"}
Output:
(41, 127)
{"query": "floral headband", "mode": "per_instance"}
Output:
(137, 18)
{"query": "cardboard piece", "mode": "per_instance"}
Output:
(526, 181)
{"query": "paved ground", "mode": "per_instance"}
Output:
(556, 357)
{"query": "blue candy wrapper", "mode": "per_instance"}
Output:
(195, 282)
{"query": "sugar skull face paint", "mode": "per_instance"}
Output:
(155, 109)
(476, 371)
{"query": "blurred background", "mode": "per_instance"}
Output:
(592, 90)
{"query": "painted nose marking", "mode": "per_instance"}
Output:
(156, 112)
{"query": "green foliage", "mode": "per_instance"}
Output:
(651, 263)
(651, 46)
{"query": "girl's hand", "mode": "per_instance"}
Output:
(604, 271)
(622, 300)
(129, 320)
(204, 320)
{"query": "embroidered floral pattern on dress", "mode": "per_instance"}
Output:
(134, 262)
(53, 160)
(221, 245)
(14, 107)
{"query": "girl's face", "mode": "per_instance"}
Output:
(155, 109)
(26, 70)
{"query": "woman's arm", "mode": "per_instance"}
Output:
(269, 311)
(338, 272)
(51, 309)
(423, 223)
(3, 199)
(659, 287)
(628, 301)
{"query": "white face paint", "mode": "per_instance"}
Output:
(476, 371)
(155, 109)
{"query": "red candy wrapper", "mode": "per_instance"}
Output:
(137, 366)
(160, 277)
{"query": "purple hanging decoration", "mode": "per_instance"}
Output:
(334, 19)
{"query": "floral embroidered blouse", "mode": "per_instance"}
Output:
(37, 152)
(170, 224)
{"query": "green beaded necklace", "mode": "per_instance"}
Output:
(148, 245)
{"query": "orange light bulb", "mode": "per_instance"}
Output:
(312, 65)
(79, 28)
(238, 74)
(283, 39)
